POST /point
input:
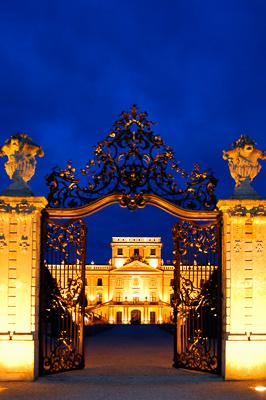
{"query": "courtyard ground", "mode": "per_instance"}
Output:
(126, 363)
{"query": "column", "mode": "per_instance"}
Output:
(20, 242)
(160, 314)
(244, 288)
(111, 314)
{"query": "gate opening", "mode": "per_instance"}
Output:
(134, 168)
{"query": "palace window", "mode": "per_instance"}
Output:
(135, 282)
(119, 283)
(99, 298)
(136, 252)
(119, 251)
(118, 297)
(153, 252)
(153, 297)
(99, 281)
(153, 283)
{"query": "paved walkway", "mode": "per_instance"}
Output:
(126, 363)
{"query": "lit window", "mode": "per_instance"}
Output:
(153, 297)
(136, 282)
(118, 297)
(119, 283)
(99, 298)
(153, 283)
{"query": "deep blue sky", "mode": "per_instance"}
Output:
(69, 68)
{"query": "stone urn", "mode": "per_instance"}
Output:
(244, 166)
(21, 163)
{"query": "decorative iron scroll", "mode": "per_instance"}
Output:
(196, 238)
(62, 296)
(197, 355)
(65, 357)
(67, 297)
(196, 299)
(60, 237)
(132, 161)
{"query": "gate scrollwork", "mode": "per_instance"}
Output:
(197, 288)
(63, 296)
(132, 161)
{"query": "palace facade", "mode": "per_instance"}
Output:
(135, 287)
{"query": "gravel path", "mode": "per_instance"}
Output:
(126, 363)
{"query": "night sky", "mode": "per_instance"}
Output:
(197, 67)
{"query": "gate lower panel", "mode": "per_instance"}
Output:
(197, 296)
(62, 296)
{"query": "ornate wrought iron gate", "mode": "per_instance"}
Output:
(62, 296)
(197, 296)
(133, 167)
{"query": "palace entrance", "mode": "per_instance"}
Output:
(132, 167)
(135, 317)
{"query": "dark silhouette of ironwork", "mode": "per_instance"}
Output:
(132, 161)
(62, 297)
(133, 167)
(197, 296)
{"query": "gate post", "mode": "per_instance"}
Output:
(244, 288)
(20, 239)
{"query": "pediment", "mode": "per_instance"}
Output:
(136, 266)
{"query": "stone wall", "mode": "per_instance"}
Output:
(20, 230)
(244, 288)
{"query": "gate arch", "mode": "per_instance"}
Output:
(132, 167)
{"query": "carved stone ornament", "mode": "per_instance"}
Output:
(24, 243)
(237, 246)
(243, 211)
(3, 242)
(24, 207)
(259, 246)
(21, 163)
(244, 166)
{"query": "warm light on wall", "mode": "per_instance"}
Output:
(245, 359)
(17, 356)
(119, 262)
(260, 388)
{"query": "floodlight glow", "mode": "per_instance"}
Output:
(260, 388)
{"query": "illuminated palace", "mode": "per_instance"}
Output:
(134, 288)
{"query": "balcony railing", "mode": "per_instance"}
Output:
(127, 303)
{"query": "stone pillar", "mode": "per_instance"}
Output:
(244, 288)
(20, 241)
(146, 313)
(111, 315)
